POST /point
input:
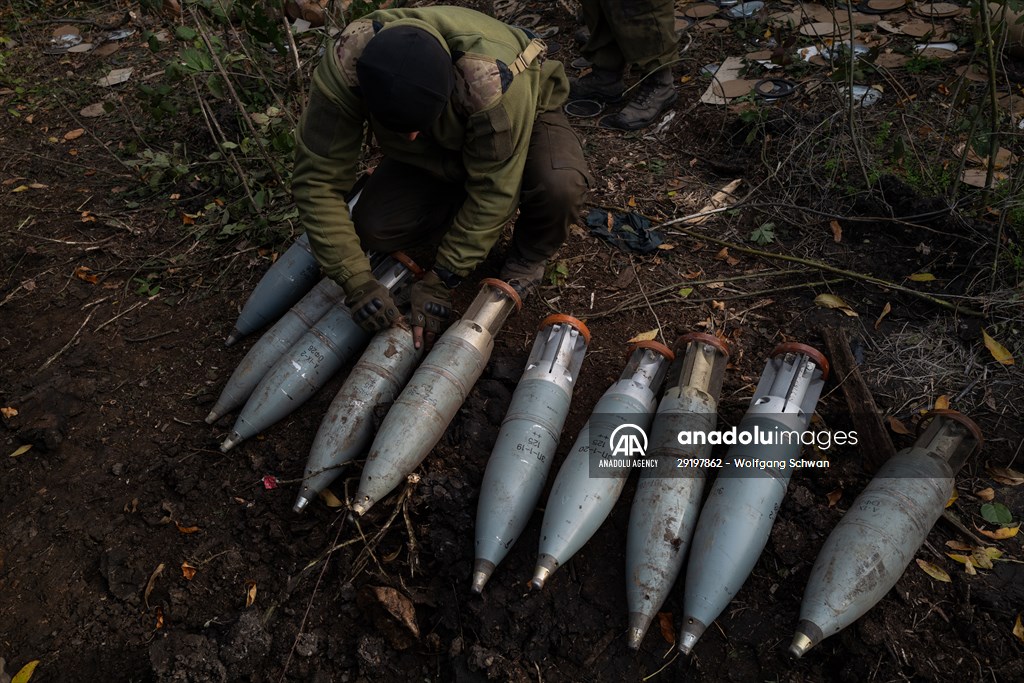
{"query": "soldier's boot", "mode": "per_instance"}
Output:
(523, 275)
(601, 85)
(655, 95)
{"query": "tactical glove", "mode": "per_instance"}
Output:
(431, 304)
(370, 302)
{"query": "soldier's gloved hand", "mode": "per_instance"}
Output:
(430, 307)
(370, 302)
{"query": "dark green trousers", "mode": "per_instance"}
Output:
(626, 33)
(402, 207)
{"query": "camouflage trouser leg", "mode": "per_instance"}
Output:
(402, 207)
(555, 183)
(625, 33)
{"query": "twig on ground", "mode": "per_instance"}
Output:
(67, 346)
(211, 123)
(838, 271)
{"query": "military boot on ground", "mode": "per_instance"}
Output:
(601, 85)
(524, 276)
(654, 96)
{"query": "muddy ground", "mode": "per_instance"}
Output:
(124, 483)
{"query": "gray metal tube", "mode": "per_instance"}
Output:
(287, 280)
(309, 363)
(526, 444)
(868, 551)
(579, 501)
(347, 428)
(276, 341)
(738, 515)
(667, 500)
(427, 405)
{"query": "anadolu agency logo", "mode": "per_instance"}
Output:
(628, 441)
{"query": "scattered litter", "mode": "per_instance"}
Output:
(106, 49)
(863, 95)
(729, 70)
(115, 77)
(937, 9)
(709, 69)
(301, 25)
(62, 42)
(891, 60)
(945, 47)
(822, 29)
(701, 10)
(683, 23)
(528, 20)
(121, 34)
(580, 63)
(81, 47)
(840, 49)
(732, 89)
(774, 88)
(881, 6)
(628, 232)
(745, 10)
(583, 109)
(547, 31)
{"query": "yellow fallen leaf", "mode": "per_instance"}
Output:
(74, 134)
(159, 618)
(997, 350)
(644, 336)
(723, 254)
(957, 545)
(84, 273)
(186, 529)
(833, 497)
(8, 412)
(1005, 475)
(21, 450)
(966, 560)
(921, 277)
(993, 553)
(885, 311)
(837, 231)
(631, 202)
(1018, 629)
(980, 558)
(897, 426)
(833, 301)
(666, 246)
(942, 402)
(1000, 534)
(20, 188)
(330, 500)
(952, 498)
(985, 494)
(25, 673)
(250, 592)
(188, 571)
(937, 573)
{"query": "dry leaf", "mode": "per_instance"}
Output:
(957, 545)
(833, 301)
(1005, 475)
(732, 261)
(666, 246)
(188, 571)
(952, 498)
(921, 277)
(1000, 534)
(82, 273)
(833, 497)
(25, 673)
(886, 310)
(8, 412)
(152, 582)
(1018, 629)
(330, 500)
(186, 529)
(74, 134)
(92, 111)
(159, 618)
(20, 188)
(650, 335)
(668, 631)
(837, 231)
(718, 305)
(631, 202)
(115, 77)
(723, 254)
(250, 592)
(21, 450)
(966, 561)
(897, 426)
(997, 350)
(981, 559)
(942, 402)
(985, 494)
(937, 573)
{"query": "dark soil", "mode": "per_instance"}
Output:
(124, 482)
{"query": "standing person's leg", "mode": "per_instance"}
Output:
(402, 207)
(604, 82)
(555, 184)
(645, 33)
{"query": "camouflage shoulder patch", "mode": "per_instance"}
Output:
(479, 83)
(350, 45)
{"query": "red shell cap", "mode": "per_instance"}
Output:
(561, 318)
(657, 347)
(703, 338)
(814, 354)
(505, 288)
(404, 259)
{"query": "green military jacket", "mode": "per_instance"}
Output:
(481, 139)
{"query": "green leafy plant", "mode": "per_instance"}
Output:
(763, 235)
(996, 513)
